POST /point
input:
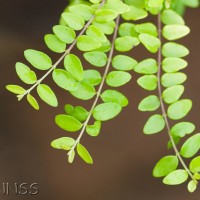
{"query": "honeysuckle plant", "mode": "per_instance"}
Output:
(104, 31)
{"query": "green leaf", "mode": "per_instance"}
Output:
(114, 96)
(135, 13)
(87, 43)
(78, 112)
(176, 177)
(64, 80)
(47, 95)
(54, 44)
(191, 3)
(25, 74)
(179, 109)
(154, 124)
(127, 29)
(123, 63)
(82, 10)
(69, 109)
(155, 3)
(15, 89)
(182, 128)
(106, 111)
(105, 46)
(137, 3)
(191, 146)
(84, 91)
(71, 156)
(172, 49)
(84, 154)
(192, 186)
(64, 34)
(173, 64)
(96, 58)
(151, 43)
(148, 82)
(165, 166)
(106, 27)
(95, 1)
(74, 66)
(174, 32)
(96, 33)
(117, 78)
(197, 176)
(94, 130)
(68, 123)
(172, 94)
(32, 101)
(126, 43)
(74, 21)
(148, 28)
(105, 15)
(171, 79)
(147, 66)
(64, 143)
(92, 77)
(38, 59)
(117, 5)
(171, 17)
(176, 141)
(150, 103)
(195, 165)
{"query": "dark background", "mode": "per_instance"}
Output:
(123, 156)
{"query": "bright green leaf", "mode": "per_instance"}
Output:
(64, 143)
(105, 15)
(192, 186)
(150, 103)
(182, 128)
(15, 89)
(96, 58)
(127, 29)
(84, 154)
(92, 77)
(155, 3)
(106, 27)
(32, 101)
(117, 5)
(94, 130)
(148, 28)
(148, 82)
(195, 165)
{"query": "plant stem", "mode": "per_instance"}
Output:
(162, 102)
(67, 51)
(100, 87)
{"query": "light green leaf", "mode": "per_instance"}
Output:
(54, 44)
(126, 43)
(147, 66)
(195, 165)
(84, 154)
(114, 96)
(172, 49)
(165, 166)
(150, 103)
(15, 89)
(148, 82)
(69, 109)
(87, 43)
(173, 64)
(191, 146)
(96, 58)
(64, 33)
(25, 74)
(94, 130)
(74, 21)
(78, 112)
(64, 80)
(95, 1)
(135, 13)
(154, 124)
(96, 33)
(106, 111)
(174, 32)
(151, 43)
(84, 91)
(176, 141)
(127, 29)
(137, 3)
(68, 123)
(182, 128)
(92, 77)
(71, 156)
(117, 78)
(176, 177)
(64, 143)
(82, 10)
(179, 109)
(32, 101)
(172, 94)
(106, 27)
(171, 17)
(148, 28)
(117, 5)
(123, 62)
(47, 95)
(197, 176)
(191, 3)
(105, 46)
(192, 186)
(155, 3)
(74, 66)
(105, 15)
(171, 79)
(38, 59)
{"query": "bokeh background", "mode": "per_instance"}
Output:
(123, 156)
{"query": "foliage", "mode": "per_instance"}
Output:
(89, 27)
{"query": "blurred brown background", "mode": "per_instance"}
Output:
(123, 156)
